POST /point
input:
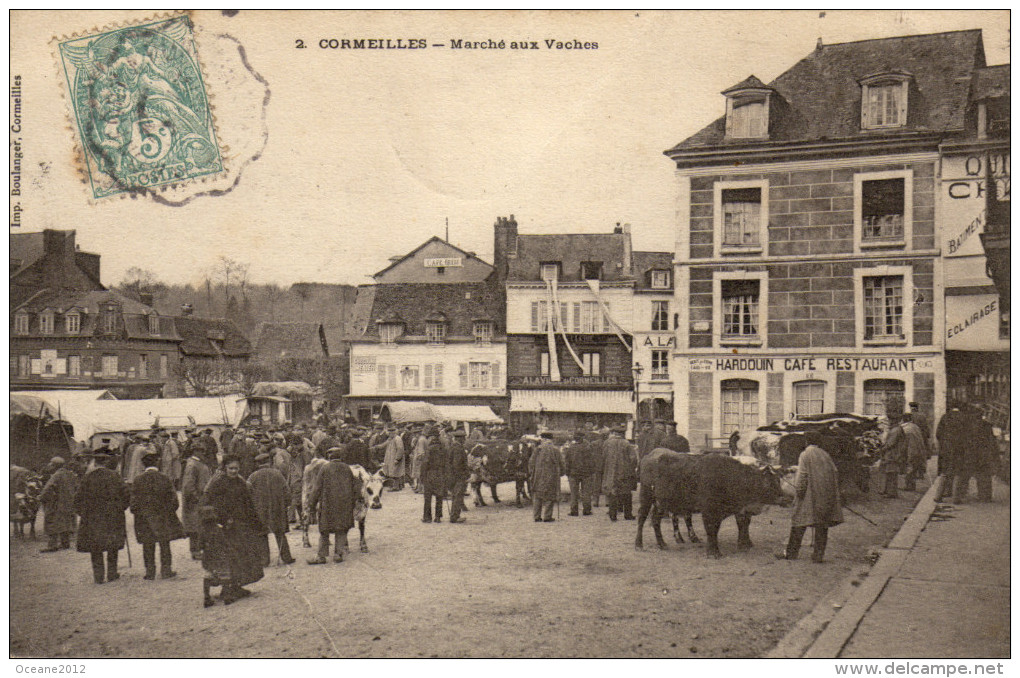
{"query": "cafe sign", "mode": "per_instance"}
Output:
(813, 364)
(444, 262)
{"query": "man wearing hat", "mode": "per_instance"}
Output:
(894, 449)
(671, 440)
(57, 501)
(546, 470)
(101, 501)
(393, 458)
(154, 506)
(580, 470)
(649, 438)
(457, 473)
(619, 477)
(170, 457)
(271, 496)
(433, 475)
(334, 497)
(197, 473)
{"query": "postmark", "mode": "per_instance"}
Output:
(140, 107)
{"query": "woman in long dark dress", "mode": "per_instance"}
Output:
(232, 557)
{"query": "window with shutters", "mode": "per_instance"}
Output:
(878, 391)
(739, 405)
(143, 366)
(426, 377)
(21, 323)
(381, 373)
(591, 321)
(884, 101)
(496, 375)
(110, 366)
(539, 316)
(808, 397)
(463, 375)
(660, 316)
(591, 364)
(72, 323)
(74, 365)
(110, 312)
(748, 118)
(46, 322)
(479, 375)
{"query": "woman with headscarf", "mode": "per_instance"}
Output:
(232, 533)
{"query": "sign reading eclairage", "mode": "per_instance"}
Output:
(812, 364)
(443, 262)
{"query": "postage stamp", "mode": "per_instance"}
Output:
(140, 107)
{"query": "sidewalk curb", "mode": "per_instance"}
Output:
(826, 629)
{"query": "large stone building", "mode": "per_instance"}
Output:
(809, 269)
(70, 332)
(430, 329)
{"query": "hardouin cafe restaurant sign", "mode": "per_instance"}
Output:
(812, 363)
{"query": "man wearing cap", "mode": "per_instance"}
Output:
(333, 498)
(270, 494)
(197, 474)
(546, 470)
(817, 502)
(433, 475)
(894, 450)
(458, 474)
(580, 470)
(619, 477)
(101, 501)
(57, 501)
(649, 438)
(154, 506)
(922, 421)
(671, 440)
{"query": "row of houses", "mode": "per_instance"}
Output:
(841, 236)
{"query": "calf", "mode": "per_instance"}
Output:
(665, 483)
(371, 497)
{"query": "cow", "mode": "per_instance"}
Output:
(648, 475)
(25, 505)
(371, 497)
(717, 486)
(500, 461)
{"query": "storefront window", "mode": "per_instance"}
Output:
(877, 392)
(808, 397)
(739, 405)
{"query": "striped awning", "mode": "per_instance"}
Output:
(604, 402)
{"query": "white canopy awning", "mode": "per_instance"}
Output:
(472, 413)
(603, 402)
(402, 411)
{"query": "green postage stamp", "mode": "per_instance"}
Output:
(141, 110)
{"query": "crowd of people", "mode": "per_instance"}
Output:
(241, 486)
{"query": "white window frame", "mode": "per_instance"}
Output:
(660, 280)
(47, 322)
(717, 212)
(539, 316)
(483, 331)
(479, 375)
(546, 268)
(72, 323)
(74, 366)
(718, 339)
(908, 210)
(389, 333)
(796, 386)
(906, 377)
(153, 320)
(906, 272)
(21, 323)
(903, 103)
(659, 375)
(657, 306)
(105, 362)
(435, 332)
(792, 377)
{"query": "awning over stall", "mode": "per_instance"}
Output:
(602, 402)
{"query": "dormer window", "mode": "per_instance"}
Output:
(388, 332)
(46, 322)
(884, 100)
(660, 280)
(72, 323)
(591, 270)
(21, 323)
(435, 332)
(154, 324)
(550, 271)
(747, 109)
(483, 332)
(110, 319)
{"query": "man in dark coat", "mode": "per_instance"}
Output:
(546, 470)
(101, 501)
(358, 451)
(648, 439)
(977, 459)
(952, 435)
(596, 443)
(619, 477)
(271, 496)
(197, 473)
(154, 505)
(672, 440)
(57, 501)
(433, 475)
(334, 497)
(580, 471)
(458, 474)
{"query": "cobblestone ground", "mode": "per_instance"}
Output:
(499, 585)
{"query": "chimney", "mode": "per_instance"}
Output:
(505, 244)
(627, 249)
(187, 309)
(145, 298)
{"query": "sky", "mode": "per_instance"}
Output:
(369, 153)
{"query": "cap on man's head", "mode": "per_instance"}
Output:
(57, 461)
(263, 458)
(460, 433)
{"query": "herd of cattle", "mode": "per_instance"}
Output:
(671, 483)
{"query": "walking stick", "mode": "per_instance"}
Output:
(127, 546)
